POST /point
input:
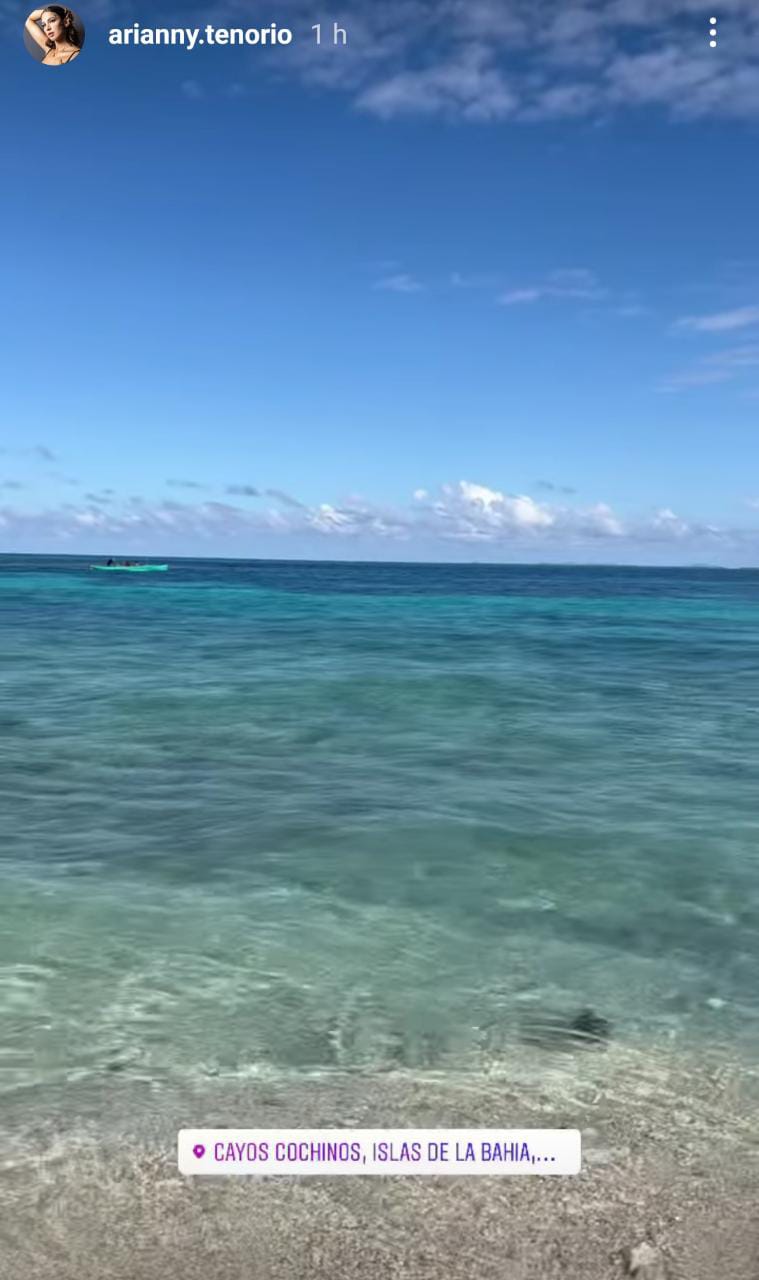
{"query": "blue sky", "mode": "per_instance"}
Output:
(484, 285)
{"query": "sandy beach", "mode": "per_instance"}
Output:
(668, 1189)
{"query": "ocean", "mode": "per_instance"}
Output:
(266, 818)
(369, 845)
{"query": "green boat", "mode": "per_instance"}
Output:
(130, 568)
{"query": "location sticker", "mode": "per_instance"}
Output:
(299, 1152)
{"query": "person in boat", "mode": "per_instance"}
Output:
(110, 560)
(54, 29)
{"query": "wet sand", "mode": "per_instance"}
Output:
(670, 1157)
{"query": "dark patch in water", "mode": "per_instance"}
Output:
(591, 1026)
(556, 1030)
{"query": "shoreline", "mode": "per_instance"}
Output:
(669, 1159)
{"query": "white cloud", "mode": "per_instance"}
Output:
(518, 60)
(721, 321)
(464, 512)
(496, 509)
(666, 521)
(602, 520)
(566, 283)
(662, 75)
(327, 519)
(737, 357)
(562, 101)
(515, 297)
(467, 85)
(530, 60)
(90, 519)
(401, 282)
(475, 512)
(720, 366)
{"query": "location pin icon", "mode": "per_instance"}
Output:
(199, 1151)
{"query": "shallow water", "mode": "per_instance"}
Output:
(264, 817)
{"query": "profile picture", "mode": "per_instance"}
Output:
(54, 35)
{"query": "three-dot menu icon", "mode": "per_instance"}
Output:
(712, 33)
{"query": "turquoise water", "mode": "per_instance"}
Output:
(269, 817)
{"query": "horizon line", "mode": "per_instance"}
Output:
(422, 564)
